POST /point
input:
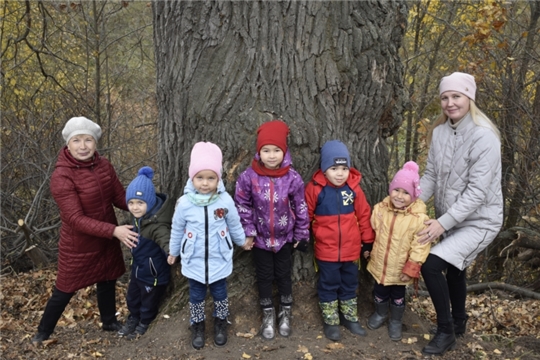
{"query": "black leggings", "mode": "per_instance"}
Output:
(444, 291)
(106, 299)
(270, 266)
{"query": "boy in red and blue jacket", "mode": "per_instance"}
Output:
(340, 221)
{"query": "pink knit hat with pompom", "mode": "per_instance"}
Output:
(407, 179)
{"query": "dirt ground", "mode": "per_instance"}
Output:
(169, 336)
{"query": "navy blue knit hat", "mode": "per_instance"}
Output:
(142, 187)
(334, 153)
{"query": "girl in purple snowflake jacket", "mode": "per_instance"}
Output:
(273, 211)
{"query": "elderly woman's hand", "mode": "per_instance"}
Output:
(432, 231)
(126, 236)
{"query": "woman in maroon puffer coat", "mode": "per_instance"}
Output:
(85, 187)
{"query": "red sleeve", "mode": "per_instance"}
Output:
(363, 216)
(412, 269)
(311, 200)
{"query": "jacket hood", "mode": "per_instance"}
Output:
(354, 178)
(190, 188)
(65, 159)
(287, 159)
(158, 207)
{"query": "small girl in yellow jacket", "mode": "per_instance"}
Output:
(397, 256)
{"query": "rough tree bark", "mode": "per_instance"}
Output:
(330, 70)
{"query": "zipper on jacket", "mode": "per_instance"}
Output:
(138, 230)
(206, 244)
(153, 270)
(445, 187)
(388, 244)
(98, 180)
(339, 226)
(228, 243)
(271, 197)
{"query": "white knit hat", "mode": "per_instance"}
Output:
(81, 125)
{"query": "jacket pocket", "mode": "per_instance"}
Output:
(225, 244)
(152, 268)
(188, 245)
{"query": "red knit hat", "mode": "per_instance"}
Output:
(272, 133)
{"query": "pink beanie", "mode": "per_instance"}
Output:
(407, 179)
(205, 156)
(461, 82)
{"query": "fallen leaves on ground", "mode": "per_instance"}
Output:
(489, 313)
(23, 299)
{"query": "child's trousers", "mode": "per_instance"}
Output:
(270, 266)
(197, 295)
(337, 280)
(383, 293)
(143, 300)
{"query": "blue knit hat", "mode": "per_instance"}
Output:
(334, 153)
(142, 187)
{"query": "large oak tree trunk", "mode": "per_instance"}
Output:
(330, 70)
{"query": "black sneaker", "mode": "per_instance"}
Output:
(114, 326)
(140, 330)
(129, 326)
(39, 338)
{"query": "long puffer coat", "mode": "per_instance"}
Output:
(463, 173)
(85, 193)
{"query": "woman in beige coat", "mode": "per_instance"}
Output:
(463, 174)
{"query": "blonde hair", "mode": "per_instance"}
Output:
(478, 117)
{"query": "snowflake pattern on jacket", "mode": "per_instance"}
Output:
(272, 209)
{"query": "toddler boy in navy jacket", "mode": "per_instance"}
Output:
(151, 217)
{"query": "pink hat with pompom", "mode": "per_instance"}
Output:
(407, 179)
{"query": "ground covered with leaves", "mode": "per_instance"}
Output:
(501, 327)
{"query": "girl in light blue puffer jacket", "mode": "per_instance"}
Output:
(205, 225)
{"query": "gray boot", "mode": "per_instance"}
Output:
(396, 321)
(284, 321)
(268, 327)
(380, 315)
